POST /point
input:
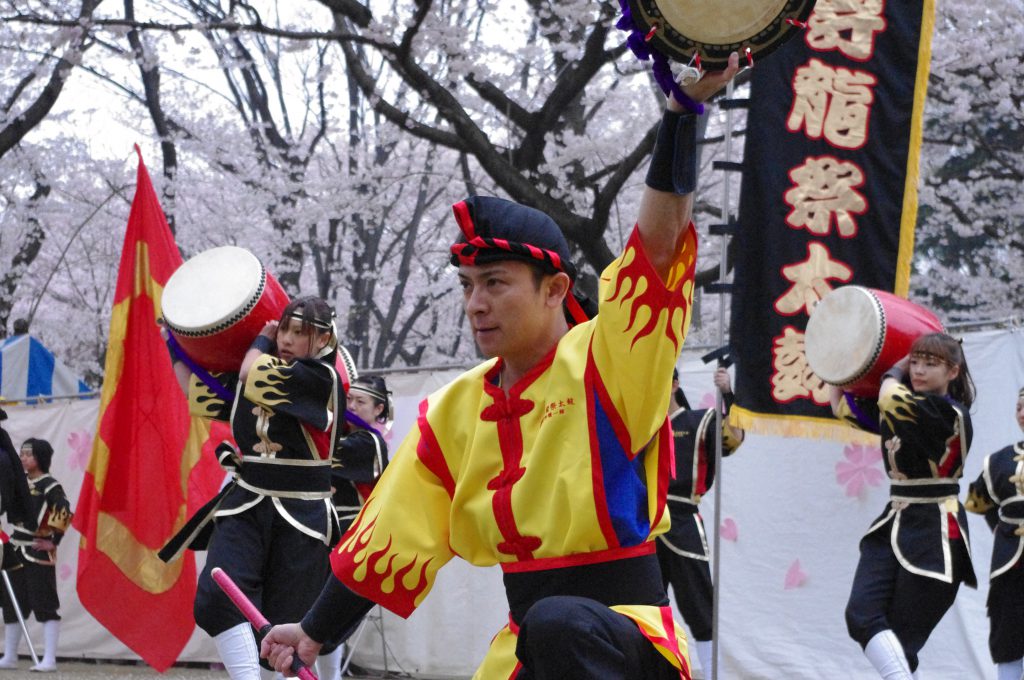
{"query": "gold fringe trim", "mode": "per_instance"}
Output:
(908, 220)
(799, 426)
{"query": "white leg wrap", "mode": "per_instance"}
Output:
(328, 666)
(1011, 670)
(51, 634)
(237, 649)
(12, 638)
(886, 654)
(703, 649)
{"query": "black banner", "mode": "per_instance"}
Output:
(829, 193)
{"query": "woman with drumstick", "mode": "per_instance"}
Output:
(998, 493)
(915, 555)
(274, 523)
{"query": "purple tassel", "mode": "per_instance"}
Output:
(641, 48)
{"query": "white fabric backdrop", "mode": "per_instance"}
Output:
(789, 547)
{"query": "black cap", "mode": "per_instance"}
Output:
(495, 229)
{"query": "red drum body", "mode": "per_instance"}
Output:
(217, 302)
(856, 334)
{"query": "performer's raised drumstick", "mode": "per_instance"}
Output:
(258, 621)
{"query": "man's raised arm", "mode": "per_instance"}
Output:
(667, 201)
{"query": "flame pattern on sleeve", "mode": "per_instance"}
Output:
(399, 583)
(267, 382)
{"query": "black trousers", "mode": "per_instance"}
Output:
(691, 583)
(279, 568)
(575, 638)
(35, 586)
(885, 596)
(1006, 615)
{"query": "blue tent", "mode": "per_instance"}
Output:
(28, 369)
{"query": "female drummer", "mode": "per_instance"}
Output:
(274, 523)
(359, 460)
(362, 454)
(915, 555)
(998, 493)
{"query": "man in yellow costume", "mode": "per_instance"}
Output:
(552, 458)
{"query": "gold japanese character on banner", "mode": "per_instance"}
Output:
(824, 190)
(810, 280)
(847, 25)
(833, 103)
(792, 377)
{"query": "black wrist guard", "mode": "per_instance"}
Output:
(263, 344)
(673, 166)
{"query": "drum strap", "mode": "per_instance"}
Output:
(215, 385)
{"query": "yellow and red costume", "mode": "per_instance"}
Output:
(569, 468)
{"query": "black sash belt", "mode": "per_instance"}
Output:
(932, 491)
(281, 478)
(259, 476)
(634, 580)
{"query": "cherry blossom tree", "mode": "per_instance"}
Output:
(330, 138)
(970, 252)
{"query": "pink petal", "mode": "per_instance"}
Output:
(795, 576)
(853, 489)
(874, 476)
(844, 472)
(729, 530)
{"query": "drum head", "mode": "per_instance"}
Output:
(212, 290)
(715, 28)
(844, 335)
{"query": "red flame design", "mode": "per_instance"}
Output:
(636, 274)
(377, 577)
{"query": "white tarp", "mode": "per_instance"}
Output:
(789, 547)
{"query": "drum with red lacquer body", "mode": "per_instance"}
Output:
(217, 302)
(856, 334)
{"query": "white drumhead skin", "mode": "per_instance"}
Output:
(720, 21)
(843, 334)
(210, 287)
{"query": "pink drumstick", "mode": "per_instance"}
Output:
(258, 621)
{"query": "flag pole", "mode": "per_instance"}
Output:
(21, 618)
(720, 402)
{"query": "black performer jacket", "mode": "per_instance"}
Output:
(925, 439)
(52, 514)
(285, 421)
(998, 493)
(693, 434)
(357, 464)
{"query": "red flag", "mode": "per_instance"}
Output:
(145, 474)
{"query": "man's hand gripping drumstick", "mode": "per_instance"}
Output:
(293, 665)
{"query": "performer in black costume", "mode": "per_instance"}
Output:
(998, 493)
(362, 454)
(683, 550)
(15, 508)
(915, 555)
(359, 460)
(274, 523)
(35, 583)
